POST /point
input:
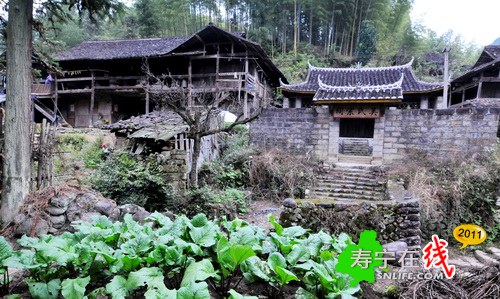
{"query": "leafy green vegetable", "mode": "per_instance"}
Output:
(194, 291)
(235, 295)
(181, 258)
(198, 271)
(74, 288)
(42, 290)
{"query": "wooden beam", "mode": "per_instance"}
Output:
(490, 79)
(120, 78)
(225, 55)
(118, 87)
(84, 90)
(464, 87)
(76, 79)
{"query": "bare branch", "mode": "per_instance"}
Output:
(234, 124)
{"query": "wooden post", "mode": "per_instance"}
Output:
(446, 52)
(479, 89)
(217, 68)
(92, 99)
(56, 96)
(245, 103)
(147, 100)
(190, 83)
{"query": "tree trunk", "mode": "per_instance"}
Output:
(311, 25)
(351, 48)
(193, 174)
(17, 155)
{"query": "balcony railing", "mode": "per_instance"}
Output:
(85, 82)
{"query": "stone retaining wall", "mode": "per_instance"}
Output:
(396, 220)
(296, 130)
(442, 133)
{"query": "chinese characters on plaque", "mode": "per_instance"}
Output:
(356, 111)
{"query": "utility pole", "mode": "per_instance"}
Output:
(446, 78)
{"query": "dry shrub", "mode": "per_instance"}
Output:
(454, 191)
(435, 289)
(481, 283)
(275, 174)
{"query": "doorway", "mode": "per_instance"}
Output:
(356, 127)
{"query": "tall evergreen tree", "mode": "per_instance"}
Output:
(367, 43)
(17, 154)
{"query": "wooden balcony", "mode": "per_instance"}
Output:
(90, 82)
(42, 90)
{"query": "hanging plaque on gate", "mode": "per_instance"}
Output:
(355, 111)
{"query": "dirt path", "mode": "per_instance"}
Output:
(260, 210)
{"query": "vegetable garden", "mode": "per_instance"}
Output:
(181, 258)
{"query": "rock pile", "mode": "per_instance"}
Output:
(52, 210)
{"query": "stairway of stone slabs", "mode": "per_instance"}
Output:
(350, 182)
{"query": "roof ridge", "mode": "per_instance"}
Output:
(394, 67)
(397, 84)
(132, 39)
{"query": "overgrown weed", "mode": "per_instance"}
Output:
(455, 190)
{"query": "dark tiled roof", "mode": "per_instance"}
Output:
(391, 92)
(489, 53)
(119, 49)
(490, 58)
(368, 76)
(151, 47)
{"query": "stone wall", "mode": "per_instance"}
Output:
(297, 130)
(396, 220)
(442, 133)
(175, 164)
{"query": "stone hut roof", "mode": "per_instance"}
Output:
(157, 125)
(366, 93)
(367, 76)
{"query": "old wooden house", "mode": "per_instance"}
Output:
(482, 81)
(105, 81)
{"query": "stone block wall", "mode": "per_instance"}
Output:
(397, 220)
(174, 164)
(296, 130)
(441, 133)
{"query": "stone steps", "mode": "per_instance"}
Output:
(350, 183)
(479, 260)
(348, 179)
(347, 196)
(349, 191)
